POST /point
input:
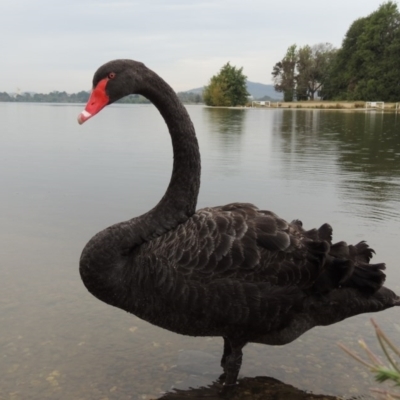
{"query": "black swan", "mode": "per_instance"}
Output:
(233, 271)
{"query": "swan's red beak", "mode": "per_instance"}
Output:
(97, 101)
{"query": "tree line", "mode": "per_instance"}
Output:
(53, 97)
(364, 68)
(83, 97)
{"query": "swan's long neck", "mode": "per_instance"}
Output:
(106, 260)
(179, 201)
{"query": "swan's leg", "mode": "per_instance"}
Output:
(232, 366)
(233, 363)
(227, 352)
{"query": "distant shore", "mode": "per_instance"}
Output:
(328, 105)
(318, 105)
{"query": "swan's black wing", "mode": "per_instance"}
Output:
(237, 271)
(240, 242)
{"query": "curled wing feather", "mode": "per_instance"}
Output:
(241, 242)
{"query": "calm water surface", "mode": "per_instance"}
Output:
(61, 183)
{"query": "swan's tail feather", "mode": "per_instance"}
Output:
(368, 278)
(361, 275)
(334, 272)
(361, 252)
(348, 266)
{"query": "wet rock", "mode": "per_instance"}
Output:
(259, 388)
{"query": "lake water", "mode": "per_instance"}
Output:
(61, 183)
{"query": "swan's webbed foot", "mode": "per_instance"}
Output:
(222, 377)
(227, 389)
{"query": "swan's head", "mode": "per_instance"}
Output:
(111, 82)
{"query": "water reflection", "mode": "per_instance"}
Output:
(359, 151)
(226, 133)
(369, 158)
(225, 120)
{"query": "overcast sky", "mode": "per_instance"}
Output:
(57, 45)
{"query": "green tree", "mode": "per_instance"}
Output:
(5, 97)
(303, 71)
(366, 66)
(313, 69)
(227, 88)
(284, 73)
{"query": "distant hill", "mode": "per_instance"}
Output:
(257, 90)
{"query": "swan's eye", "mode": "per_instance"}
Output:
(111, 75)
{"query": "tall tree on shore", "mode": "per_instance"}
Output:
(313, 67)
(366, 67)
(303, 71)
(283, 74)
(227, 88)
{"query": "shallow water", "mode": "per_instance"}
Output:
(61, 183)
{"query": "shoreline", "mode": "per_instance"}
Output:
(328, 105)
(295, 105)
